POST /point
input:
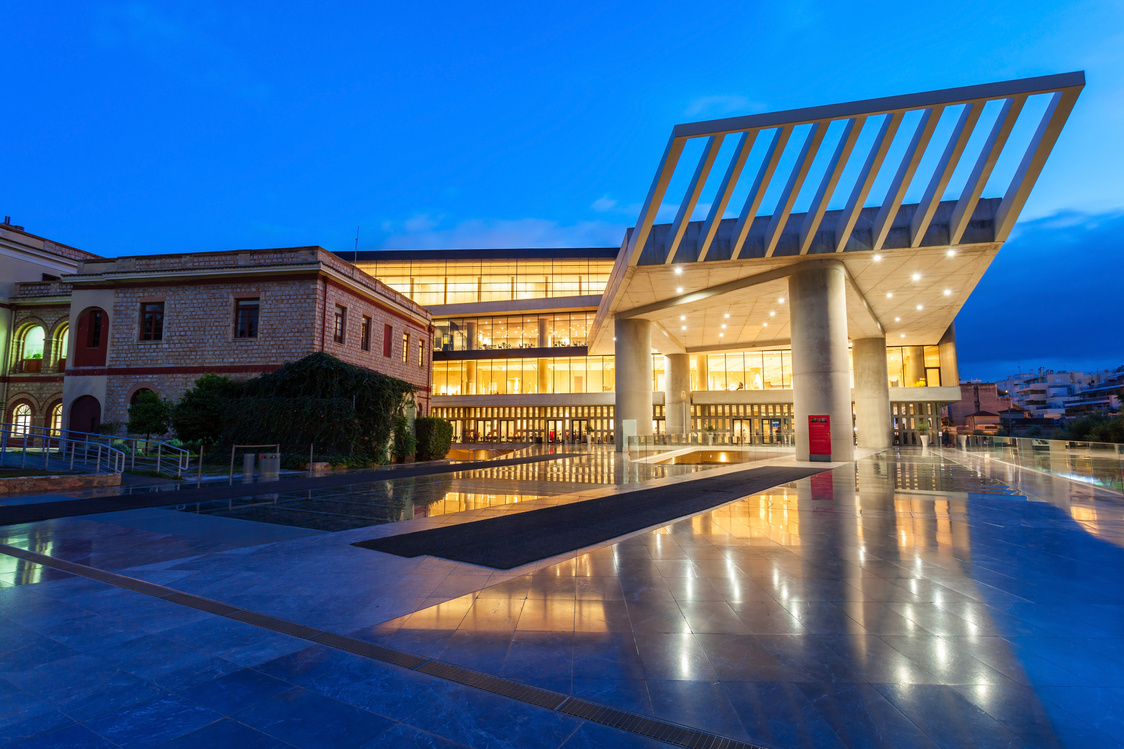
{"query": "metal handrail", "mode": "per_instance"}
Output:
(172, 455)
(66, 449)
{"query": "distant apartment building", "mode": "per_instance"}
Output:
(981, 408)
(1064, 394)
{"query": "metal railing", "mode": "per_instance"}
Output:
(140, 453)
(30, 447)
(1096, 463)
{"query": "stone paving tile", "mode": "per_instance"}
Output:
(906, 600)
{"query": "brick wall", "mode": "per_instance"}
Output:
(42, 389)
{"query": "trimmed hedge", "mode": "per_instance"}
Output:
(435, 437)
(344, 410)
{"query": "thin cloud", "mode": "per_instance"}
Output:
(721, 105)
(500, 234)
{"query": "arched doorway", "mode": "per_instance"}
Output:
(85, 414)
(93, 334)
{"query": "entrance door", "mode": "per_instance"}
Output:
(85, 414)
(743, 432)
(579, 429)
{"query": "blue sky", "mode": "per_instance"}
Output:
(135, 127)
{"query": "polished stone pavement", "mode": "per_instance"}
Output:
(907, 599)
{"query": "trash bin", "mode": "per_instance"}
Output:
(269, 464)
(248, 465)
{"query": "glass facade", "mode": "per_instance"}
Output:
(433, 282)
(560, 374)
(914, 366)
(513, 331)
(755, 370)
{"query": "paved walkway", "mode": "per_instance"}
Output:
(904, 600)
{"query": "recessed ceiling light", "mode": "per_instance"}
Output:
(948, 292)
(877, 258)
(951, 253)
(889, 295)
(684, 327)
(727, 315)
(903, 335)
(678, 271)
(764, 324)
(614, 338)
(721, 334)
(916, 276)
(919, 308)
(723, 326)
(772, 314)
(897, 319)
(781, 300)
(682, 317)
(679, 290)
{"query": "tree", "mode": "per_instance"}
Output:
(203, 411)
(149, 414)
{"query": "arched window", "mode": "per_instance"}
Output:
(21, 419)
(60, 346)
(56, 419)
(30, 355)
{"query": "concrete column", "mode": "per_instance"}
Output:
(704, 374)
(471, 335)
(677, 393)
(950, 370)
(469, 378)
(872, 394)
(913, 365)
(821, 380)
(633, 350)
(543, 367)
(543, 364)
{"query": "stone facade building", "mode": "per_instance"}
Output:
(159, 322)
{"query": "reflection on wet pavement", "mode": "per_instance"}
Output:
(908, 599)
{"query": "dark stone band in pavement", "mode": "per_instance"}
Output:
(515, 540)
(653, 728)
(165, 496)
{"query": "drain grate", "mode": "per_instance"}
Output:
(639, 725)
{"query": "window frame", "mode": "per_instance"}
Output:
(238, 308)
(387, 340)
(365, 333)
(339, 331)
(155, 332)
(405, 347)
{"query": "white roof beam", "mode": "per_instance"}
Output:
(725, 191)
(974, 187)
(866, 180)
(1045, 84)
(830, 179)
(792, 188)
(894, 196)
(1057, 112)
(757, 191)
(943, 173)
(691, 199)
(655, 197)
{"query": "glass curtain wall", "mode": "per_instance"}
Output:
(513, 331)
(431, 282)
(577, 374)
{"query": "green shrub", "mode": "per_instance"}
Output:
(149, 414)
(404, 441)
(203, 411)
(434, 436)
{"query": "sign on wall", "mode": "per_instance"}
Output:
(819, 437)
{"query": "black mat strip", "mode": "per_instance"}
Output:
(514, 540)
(652, 728)
(180, 495)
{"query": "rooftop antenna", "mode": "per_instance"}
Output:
(355, 257)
